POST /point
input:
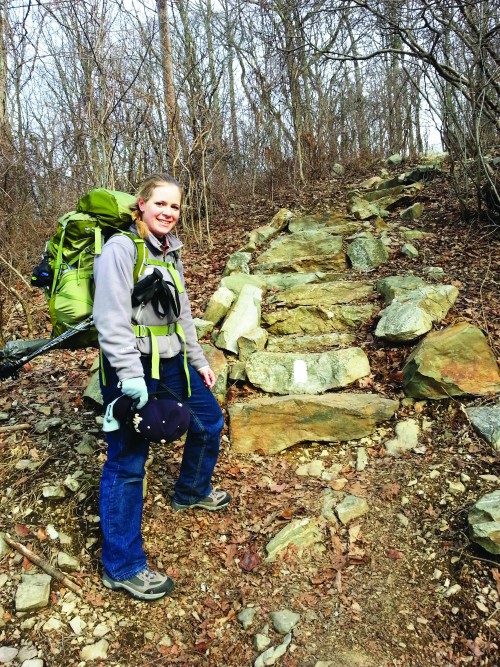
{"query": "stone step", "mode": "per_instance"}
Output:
(306, 373)
(318, 320)
(273, 424)
(323, 294)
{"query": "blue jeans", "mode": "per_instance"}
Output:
(121, 483)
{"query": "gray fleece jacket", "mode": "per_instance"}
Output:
(114, 315)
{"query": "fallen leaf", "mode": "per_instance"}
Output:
(210, 603)
(231, 550)
(22, 530)
(249, 561)
(394, 554)
(95, 599)
(390, 491)
(277, 488)
(41, 533)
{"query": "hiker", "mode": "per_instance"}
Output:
(150, 348)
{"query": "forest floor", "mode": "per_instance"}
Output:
(382, 593)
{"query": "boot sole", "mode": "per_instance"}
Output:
(145, 597)
(181, 508)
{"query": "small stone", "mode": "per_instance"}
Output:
(54, 492)
(34, 662)
(45, 424)
(95, 651)
(102, 629)
(284, 621)
(261, 642)
(452, 590)
(52, 625)
(4, 547)
(351, 508)
(78, 625)
(434, 474)
(165, 641)
(246, 616)
(27, 653)
(456, 488)
(315, 468)
(361, 459)
(409, 250)
(68, 563)
(403, 519)
(33, 592)
(8, 653)
(51, 532)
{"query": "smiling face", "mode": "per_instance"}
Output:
(161, 211)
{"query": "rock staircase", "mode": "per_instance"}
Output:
(289, 308)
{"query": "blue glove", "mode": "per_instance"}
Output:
(136, 389)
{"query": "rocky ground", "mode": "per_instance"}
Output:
(400, 586)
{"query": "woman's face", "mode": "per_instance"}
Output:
(162, 210)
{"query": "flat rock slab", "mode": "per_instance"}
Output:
(244, 316)
(394, 286)
(367, 253)
(317, 263)
(323, 294)
(236, 281)
(273, 424)
(412, 314)
(455, 361)
(486, 421)
(320, 343)
(33, 592)
(301, 533)
(318, 320)
(333, 223)
(484, 522)
(218, 362)
(281, 281)
(307, 373)
(294, 246)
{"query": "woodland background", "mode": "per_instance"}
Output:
(232, 96)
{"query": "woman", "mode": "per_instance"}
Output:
(132, 337)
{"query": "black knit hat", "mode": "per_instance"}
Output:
(160, 420)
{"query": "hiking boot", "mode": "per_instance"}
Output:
(216, 501)
(145, 585)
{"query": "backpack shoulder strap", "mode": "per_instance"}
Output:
(141, 253)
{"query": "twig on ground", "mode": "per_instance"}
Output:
(44, 565)
(15, 427)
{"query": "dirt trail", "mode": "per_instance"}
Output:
(374, 593)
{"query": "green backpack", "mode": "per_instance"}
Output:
(66, 272)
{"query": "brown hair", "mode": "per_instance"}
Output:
(145, 192)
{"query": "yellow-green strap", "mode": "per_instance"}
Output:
(97, 240)
(58, 262)
(143, 331)
(101, 367)
(180, 332)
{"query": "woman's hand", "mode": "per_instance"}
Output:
(208, 376)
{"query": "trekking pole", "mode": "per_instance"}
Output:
(10, 368)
